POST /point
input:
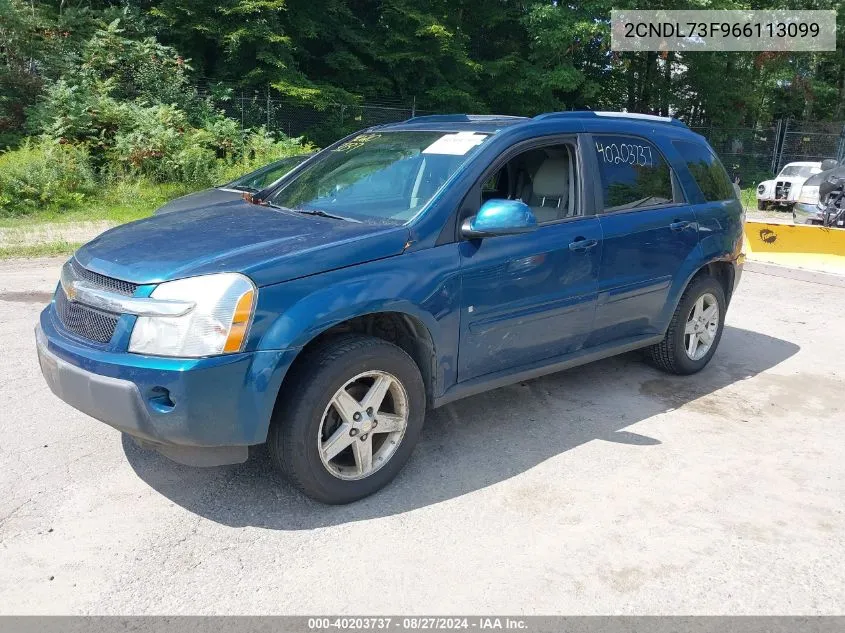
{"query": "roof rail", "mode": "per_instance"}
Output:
(580, 114)
(460, 118)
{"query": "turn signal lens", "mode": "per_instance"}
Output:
(240, 322)
(217, 324)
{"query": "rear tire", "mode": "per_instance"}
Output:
(677, 353)
(314, 417)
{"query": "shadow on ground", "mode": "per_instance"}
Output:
(476, 442)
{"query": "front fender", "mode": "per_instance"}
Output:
(315, 313)
(424, 285)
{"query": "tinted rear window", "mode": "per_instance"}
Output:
(707, 171)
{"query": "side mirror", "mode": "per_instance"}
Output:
(499, 217)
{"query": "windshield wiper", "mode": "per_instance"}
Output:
(325, 214)
(317, 212)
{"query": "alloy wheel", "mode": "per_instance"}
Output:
(701, 326)
(363, 425)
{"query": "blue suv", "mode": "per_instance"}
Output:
(402, 268)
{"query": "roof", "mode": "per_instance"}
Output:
(492, 123)
(596, 114)
(451, 122)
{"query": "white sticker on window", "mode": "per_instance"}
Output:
(456, 144)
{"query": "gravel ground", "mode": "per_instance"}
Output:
(770, 215)
(610, 488)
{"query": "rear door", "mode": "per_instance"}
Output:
(530, 297)
(649, 232)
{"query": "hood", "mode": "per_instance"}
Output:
(204, 198)
(795, 180)
(268, 245)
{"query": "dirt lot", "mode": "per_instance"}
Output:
(610, 488)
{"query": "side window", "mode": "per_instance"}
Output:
(707, 171)
(491, 185)
(633, 173)
(544, 178)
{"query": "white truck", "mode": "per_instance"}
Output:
(784, 189)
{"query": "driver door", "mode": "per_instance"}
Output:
(530, 297)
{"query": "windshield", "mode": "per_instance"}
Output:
(267, 175)
(379, 176)
(803, 171)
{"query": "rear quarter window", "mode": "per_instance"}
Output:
(707, 171)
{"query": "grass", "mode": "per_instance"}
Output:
(47, 249)
(40, 234)
(118, 204)
(749, 198)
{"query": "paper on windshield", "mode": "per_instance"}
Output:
(456, 144)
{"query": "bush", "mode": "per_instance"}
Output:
(129, 114)
(44, 173)
(149, 141)
(194, 165)
(260, 147)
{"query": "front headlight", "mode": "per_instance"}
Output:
(761, 189)
(217, 324)
(809, 195)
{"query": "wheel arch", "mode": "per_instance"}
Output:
(407, 330)
(721, 269)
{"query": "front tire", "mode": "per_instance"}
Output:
(761, 205)
(347, 418)
(695, 329)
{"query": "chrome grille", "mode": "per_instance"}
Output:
(84, 321)
(782, 189)
(96, 279)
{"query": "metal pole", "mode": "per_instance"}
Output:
(268, 107)
(840, 151)
(414, 107)
(782, 146)
(776, 146)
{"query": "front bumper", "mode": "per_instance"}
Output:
(739, 264)
(773, 200)
(203, 411)
(807, 214)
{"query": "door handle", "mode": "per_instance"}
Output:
(679, 225)
(580, 244)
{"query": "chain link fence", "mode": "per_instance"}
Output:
(320, 125)
(754, 155)
(811, 141)
(750, 155)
